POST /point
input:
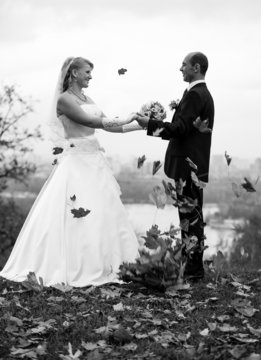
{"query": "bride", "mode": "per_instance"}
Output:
(77, 231)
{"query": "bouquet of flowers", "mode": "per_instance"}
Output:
(154, 110)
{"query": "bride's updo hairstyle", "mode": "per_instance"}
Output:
(73, 63)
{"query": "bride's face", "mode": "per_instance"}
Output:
(83, 75)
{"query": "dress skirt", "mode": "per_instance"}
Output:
(60, 245)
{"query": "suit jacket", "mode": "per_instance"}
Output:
(184, 139)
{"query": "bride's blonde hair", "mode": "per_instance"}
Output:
(75, 63)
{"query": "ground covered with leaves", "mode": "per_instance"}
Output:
(218, 318)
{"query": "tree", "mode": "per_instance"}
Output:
(14, 144)
(246, 250)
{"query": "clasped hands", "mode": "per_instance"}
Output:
(201, 125)
(140, 118)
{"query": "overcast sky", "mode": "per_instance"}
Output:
(150, 38)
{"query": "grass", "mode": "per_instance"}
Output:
(209, 320)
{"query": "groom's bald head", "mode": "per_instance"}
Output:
(199, 58)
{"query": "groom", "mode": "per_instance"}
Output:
(187, 141)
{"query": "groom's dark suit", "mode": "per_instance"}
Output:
(187, 141)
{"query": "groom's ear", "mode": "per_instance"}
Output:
(197, 68)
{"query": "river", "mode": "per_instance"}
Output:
(219, 235)
(143, 216)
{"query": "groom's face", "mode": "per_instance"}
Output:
(187, 70)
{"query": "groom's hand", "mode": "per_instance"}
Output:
(143, 120)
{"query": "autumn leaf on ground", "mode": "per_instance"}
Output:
(31, 283)
(196, 180)
(156, 166)
(62, 287)
(90, 346)
(141, 161)
(158, 197)
(79, 213)
(202, 126)
(57, 150)
(191, 164)
(70, 355)
(248, 186)
(122, 71)
(228, 158)
(55, 162)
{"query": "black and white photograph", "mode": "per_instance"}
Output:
(130, 190)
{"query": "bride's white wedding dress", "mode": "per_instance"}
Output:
(62, 248)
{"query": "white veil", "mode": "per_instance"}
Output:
(55, 127)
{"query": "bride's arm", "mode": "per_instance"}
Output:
(126, 128)
(74, 112)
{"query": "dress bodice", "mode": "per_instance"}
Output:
(75, 130)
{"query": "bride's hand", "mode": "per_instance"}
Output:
(143, 120)
(133, 116)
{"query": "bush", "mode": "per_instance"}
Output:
(11, 221)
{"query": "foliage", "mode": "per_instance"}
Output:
(14, 144)
(11, 220)
(214, 321)
(161, 262)
(246, 249)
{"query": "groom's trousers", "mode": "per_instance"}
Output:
(195, 226)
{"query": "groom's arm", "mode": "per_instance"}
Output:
(183, 125)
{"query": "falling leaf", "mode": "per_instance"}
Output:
(57, 150)
(122, 71)
(191, 164)
(141, 161)
(174, 104)
(196, 181)
(157, 132)
(180, 185)
(156, 166)
(228, 158)
(73, 198)
(248, 186)
(169, 188)
(79, 213)
(158, 197)
(184, 224)
(202, 126)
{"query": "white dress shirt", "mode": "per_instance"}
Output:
(193, 83)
